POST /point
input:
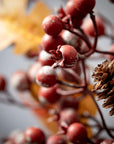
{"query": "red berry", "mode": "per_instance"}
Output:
(56, 139)
(89, 28)
(76, 133)
(45, 58)
(46, 76)
(20, 81)
(48, 95)
(79, 8)
(111, 57)
(2, 83)
(69, 54)
(33, 70)
(52, 25)
(50, 43)
(69, 116)
(34, 135)
(107, 141)
(69, 102)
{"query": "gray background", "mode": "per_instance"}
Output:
(11, 117)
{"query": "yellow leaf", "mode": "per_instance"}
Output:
(34, 90)
(26, 28)
(87, 105)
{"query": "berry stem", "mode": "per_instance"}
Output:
(81, 36)
(104, 52)
(101, 115)
(70, 84)
(70, 92)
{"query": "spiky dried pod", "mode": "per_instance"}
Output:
(104, 77)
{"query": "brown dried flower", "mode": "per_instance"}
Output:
(104, 76)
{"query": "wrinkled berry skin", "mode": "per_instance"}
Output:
(2, 83)
(34, 135)
(46, 76)
(56, 139)
(76, 133)
(52, 25)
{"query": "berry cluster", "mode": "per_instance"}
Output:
(60, 74)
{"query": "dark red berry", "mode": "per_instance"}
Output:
(46, 76)
(111, 1)
(69, 102)
(34, 135)
(56, 139)
(79, 8)
(88, 27)
(107, 141)
(69, 116)
(45, 58)
(52, 25)
(50, 43)
(20, 81)
(69, 55)
(76, 133)
(2, 83)
(111, 57)
(48, 95)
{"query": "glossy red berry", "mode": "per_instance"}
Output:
(34, 135)
(20, 81)
(107, 141)
(111, 57)
(45, 58)
(76, 133)
(89, 28)
(48, 95)
(50, 43)
(46, 76)
(69, 55)
(52, 25)
(2, 83)
(69, 116)
(79, 8)
(56, 139)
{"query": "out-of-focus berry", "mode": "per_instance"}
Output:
(52, 25)
(33, 71)
(111, 57)
(46, 76)
(107, 141)
(20, 81)
(2, 83)
(69, 116)
(56, 139)
(48, 95)
(34, 135)
(88, 27)
(50, 43)
(71, 39)
(76, 133)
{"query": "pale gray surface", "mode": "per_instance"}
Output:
(12, 117)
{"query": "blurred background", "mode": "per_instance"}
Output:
(12, 117)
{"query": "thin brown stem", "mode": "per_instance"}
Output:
(101, 115)
(104, 52)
